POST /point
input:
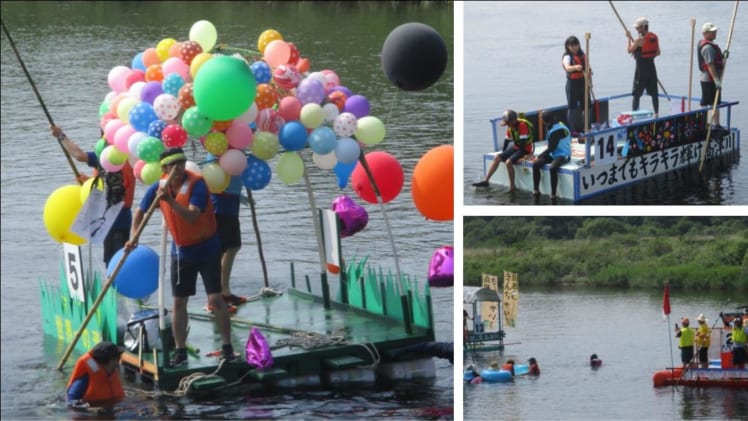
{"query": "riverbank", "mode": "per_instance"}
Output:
(628, 253)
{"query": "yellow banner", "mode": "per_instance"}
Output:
(489, 312)
(511, 297)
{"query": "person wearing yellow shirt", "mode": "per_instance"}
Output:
(703, 340)
(687, 337)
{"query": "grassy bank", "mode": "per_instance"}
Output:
(697, 259)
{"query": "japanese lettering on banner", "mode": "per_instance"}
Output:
(489, 312)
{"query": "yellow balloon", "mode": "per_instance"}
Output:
(124, 107)
(86, 188)
(60, 211)
(162, 49)
(215, 177)
(197, 62)
(266, 38)
(150, 173)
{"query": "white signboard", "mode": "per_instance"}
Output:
(74, 271)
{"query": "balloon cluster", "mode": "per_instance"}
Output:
(187, 89)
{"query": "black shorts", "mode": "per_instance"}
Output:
(229, 232)
(513, 154)
(708, 91)
(686, 354)
(184, 276)
(738, 356)
(704, 355)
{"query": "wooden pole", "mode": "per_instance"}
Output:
(256, 227)
(41, 101)
(587, 84)
(690, 66)
(716, 95)
(109, 281)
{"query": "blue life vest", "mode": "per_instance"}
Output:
(564, 145)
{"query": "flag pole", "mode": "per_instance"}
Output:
(666, 310)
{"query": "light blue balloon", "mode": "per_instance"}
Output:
(292, 136)
(172, 83)
(347, 150)
(137, 62)
(322, 140)
(141, 116)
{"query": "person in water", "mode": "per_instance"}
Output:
(508, 366)
(534, 368)
(95, 380)
(595, 361)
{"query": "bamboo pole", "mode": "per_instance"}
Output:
(587, 84)
(256, 227)
(690, 66)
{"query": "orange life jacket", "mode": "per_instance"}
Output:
(185, 233)
(719, 61)
(101, 386)
(577, 59)
(650, 47)
(508, 367)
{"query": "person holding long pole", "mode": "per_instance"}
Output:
(644, 49)
(711, 64)
(188, 211)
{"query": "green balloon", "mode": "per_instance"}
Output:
(100, 145)
(224, 88)
(195, 122)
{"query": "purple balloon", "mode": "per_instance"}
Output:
(347, 92)
(442, 267)
(357, 105)
(150, 91)
(310, 91)
(353, 217)
(257, 350)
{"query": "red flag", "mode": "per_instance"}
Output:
(666, 301)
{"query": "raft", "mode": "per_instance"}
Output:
(733, 378)
(496, 376)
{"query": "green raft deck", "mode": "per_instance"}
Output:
(315, 340)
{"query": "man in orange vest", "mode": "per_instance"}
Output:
(188, 211)
(645, 48)
(95, 380)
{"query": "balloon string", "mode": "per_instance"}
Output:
(226, 47)
(392, 106)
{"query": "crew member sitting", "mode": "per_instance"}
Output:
(95, 380)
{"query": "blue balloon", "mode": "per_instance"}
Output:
(155, 128)
(138, 276)
(141, 116)
(257, 174)
(262, 72)
(322, 140)
(137, 62)
(172, 84)
(343, 172)
(292, 136)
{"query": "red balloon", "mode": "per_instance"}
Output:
(432, 186)
(387, 173)
(134, 76)
(174, 136)
(188, 50)
(186, 97)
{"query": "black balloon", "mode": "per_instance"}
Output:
(414, 56)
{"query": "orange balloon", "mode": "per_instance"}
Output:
(266, 96)
(175, 49)
(150, 57)
(185, 96)
(222, 126)
(303, 65)
(433, 184)
(154, 73)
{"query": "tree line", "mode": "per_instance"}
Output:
(699, 252)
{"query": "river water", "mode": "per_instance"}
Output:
(512, 59)
(70, 47)
(627, 330)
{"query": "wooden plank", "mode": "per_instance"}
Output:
(346, 361)
(268, 374)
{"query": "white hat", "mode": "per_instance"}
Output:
(701, 318)
(708, 27)
(641, 22)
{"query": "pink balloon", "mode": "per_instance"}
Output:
(176, 65)
(289, 108)
(138, 168)
(117, 77)
(277, 52)
(106, 118)
(122, 137)
(239, 134)
(442, 267)
(133, 141)
(269, 120)
(106, 164)
(166, 107)
(233, 162)
(134, 76)
(331, 78)
(111, 128)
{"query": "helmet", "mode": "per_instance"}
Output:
(685, 321)
(508, 117)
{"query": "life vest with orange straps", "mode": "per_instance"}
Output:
(575, 60)
(188, 233)
(101, 386)
(650, 46)
(719, 61)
